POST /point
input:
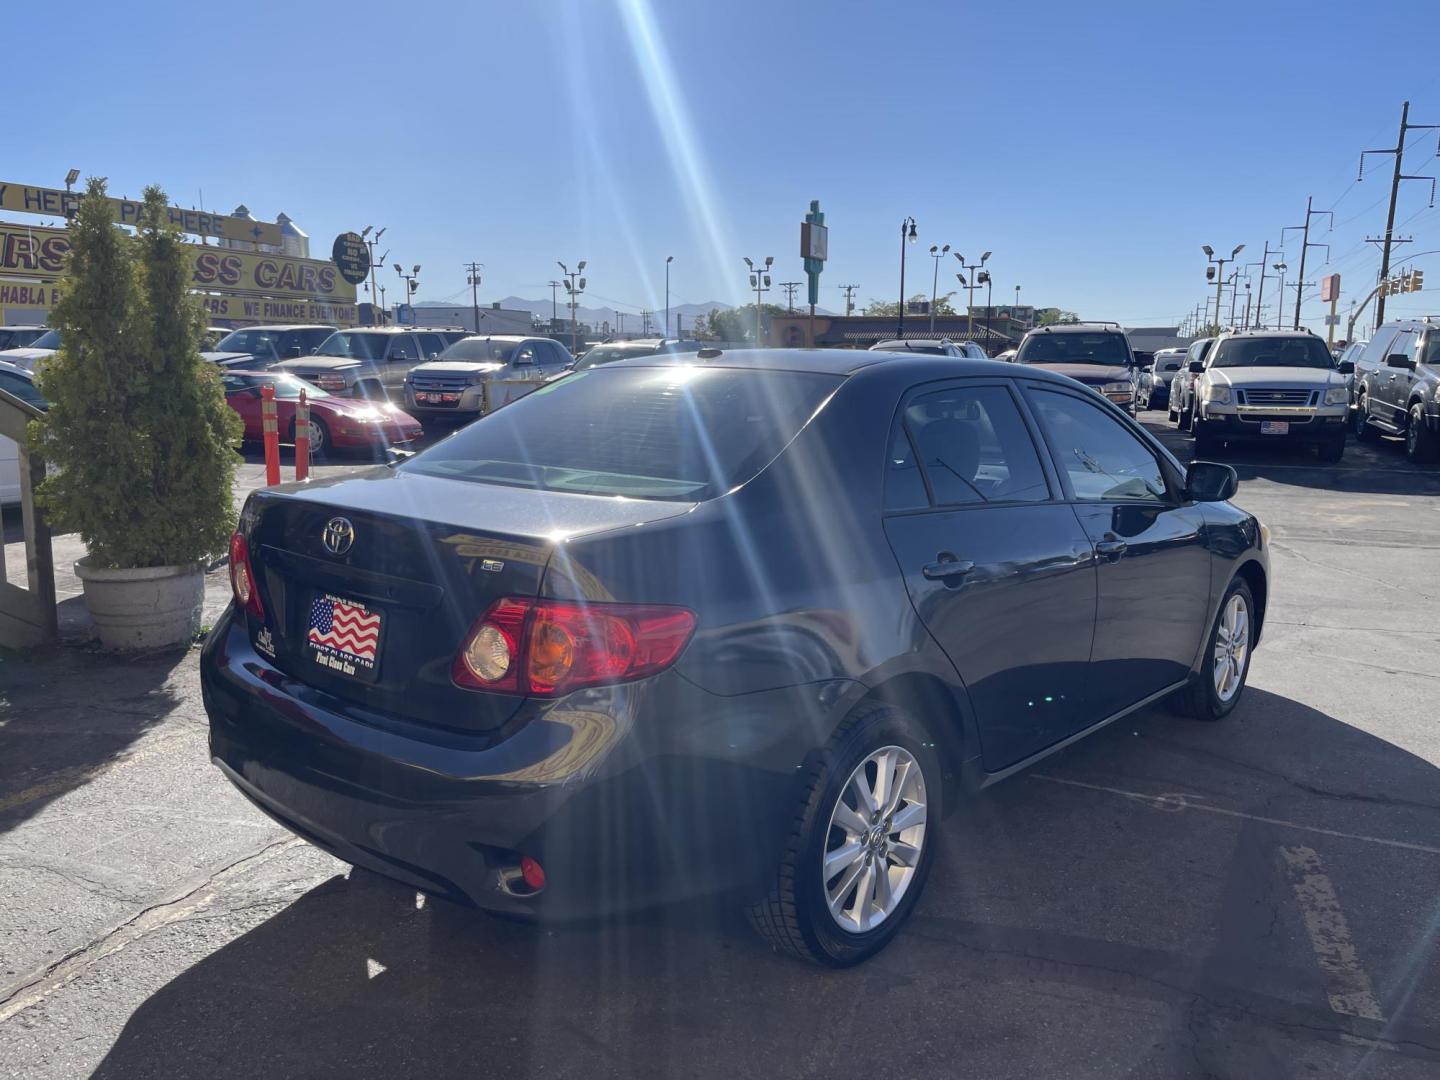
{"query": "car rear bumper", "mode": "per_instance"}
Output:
(627, 796)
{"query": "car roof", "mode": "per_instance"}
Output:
(900, 344)
(843, 362)
(1302, 332)
(1078, 328)
(5, 365)
(393, 329)
(499, 337)
(283, 326)
(24, 326)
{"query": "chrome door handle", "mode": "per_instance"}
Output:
(1111, 549)
(946, 569)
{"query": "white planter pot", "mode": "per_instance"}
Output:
(143, 607)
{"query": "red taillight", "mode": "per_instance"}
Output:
(242, 577)
(532, 872)
(548, 648)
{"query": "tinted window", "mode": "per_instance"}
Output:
(432, 344)
(21, 387)
(478, 350)
(1290, 352)
(287, 387)
(404, 347)
(1073, 348)
(263, 343)
(361, 346)
(678, 433)
(603, 354)
(525, 354)
(1405, 344)
(48, 340)
(904, 486)
(1103, 458)
(554, 354)
(974, 447)
(1432, 349)
(1374, 354)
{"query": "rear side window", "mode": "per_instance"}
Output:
(1103, 459)
(974, 447)
(677, 433)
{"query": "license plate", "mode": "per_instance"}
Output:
(438, 399)
(343, 636)
(1274, 427)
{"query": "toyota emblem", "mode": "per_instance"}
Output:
(339, 534)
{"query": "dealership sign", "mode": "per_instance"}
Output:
(52, 202)
(27, 252)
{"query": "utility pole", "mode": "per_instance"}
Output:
(666, 331)
(1305, 246)
(573, 289)
(620, 319)
(790, 287)
(849, 291)
(645, 323)
(760, 282)
(554, 306)
(1388, 239)
(370, 242)
(473, 280)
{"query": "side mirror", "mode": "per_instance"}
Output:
(1195, 367)
(1210, 481)
(1400, 360)
(1147, 367)
(434, 356)
(1347, 367)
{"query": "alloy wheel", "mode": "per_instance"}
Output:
(875, 839)
(1232, 647)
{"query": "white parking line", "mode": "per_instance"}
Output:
(1174, 802)
(1351, 993)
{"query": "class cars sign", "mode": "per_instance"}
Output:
(27, 252)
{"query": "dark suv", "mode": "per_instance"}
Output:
(1397, 387)
(1096, 354)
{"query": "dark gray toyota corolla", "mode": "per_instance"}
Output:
(743, 623)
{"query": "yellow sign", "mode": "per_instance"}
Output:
(256, 310)
(40, 253)
(52, 202)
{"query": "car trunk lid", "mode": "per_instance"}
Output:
(427, 556)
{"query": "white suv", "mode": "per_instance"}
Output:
(1271, 385)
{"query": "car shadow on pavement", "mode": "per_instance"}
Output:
(67, 714)
(1085, 919)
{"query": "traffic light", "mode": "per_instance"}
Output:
(1416, 282)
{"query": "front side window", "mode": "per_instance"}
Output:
(525, 354)
(1104, 460)
(48, 340)
(1290, 352)
(404, 347)
(974, 447)
(22, 388)
(675, 433)
(1430, 353)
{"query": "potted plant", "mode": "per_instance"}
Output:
(138, 433)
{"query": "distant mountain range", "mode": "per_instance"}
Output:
(597, 315)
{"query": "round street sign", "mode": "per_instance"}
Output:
(351, 257)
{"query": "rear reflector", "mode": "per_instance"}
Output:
(547, 648)
(532, 872)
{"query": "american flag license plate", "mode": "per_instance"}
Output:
(344, 635)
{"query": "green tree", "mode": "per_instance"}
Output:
(943, 305)
(138, 429)
(738, 324)
(1053, 316)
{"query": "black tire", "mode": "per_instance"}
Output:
(1333, 451)
(371, 390)
(1420, 442)
(1360, 424)
(1187, 420)
(1206, 445)
(794, 916)
(1200, 700)
(319, 436)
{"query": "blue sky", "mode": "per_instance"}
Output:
(1092, 147)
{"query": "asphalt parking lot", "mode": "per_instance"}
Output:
(1254, 898)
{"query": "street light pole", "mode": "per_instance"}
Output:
(936, 253)
(974, 283)
(760, 282)
(573, 289)
(411, 284)
(1280, 304)
(666, 332)
(474, 282)
(910, 238)
(989, 295)
(1217, 270)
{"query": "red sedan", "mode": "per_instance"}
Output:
(342, 423)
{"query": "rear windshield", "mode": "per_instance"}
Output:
(678, 433)
(1073, 348)
(360, 346)
(1299, 352)
(257, 342)
(480, 350)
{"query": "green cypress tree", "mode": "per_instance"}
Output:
(138, 429)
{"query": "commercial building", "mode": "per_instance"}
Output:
(862, 331)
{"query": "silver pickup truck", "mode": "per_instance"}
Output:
(371, 362)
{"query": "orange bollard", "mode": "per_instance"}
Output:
(269, 424)
(302, 438)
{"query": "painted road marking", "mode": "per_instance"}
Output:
(1351, 993)
(1174, 802)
